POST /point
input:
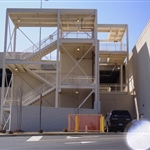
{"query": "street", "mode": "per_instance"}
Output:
(63, 142)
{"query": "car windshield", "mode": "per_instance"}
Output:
(120, 114)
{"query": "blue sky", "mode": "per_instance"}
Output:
(134, 13)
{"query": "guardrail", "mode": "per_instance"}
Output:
(87, 35)
(84, 80)
(112, 47)
(9, 102)
(113, 88)
(46, 41)
(34, 93)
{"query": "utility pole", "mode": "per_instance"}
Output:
(40, 115)
(40, 27)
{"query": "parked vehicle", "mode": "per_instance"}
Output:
(117, 120)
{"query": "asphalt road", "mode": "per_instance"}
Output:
(63, 142)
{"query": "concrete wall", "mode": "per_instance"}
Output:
(131, 77)
(67, 63)
(69, 98)
(114, 101)
(53, 119)
(25, 83)
(141, 71)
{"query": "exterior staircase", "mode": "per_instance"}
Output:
(42, 52)
(34, 73)
(38, 50)
(33, 53)
(35, 95)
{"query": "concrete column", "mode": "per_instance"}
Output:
(96, 72)
(4, 69)
(57, 68)
(14, 46)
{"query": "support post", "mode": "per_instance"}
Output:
(121, 78)
(57, 63)
(96, 75)
(76, 123)
(11, 102)
(3, 73)
(14, 46)
(40, 39)
(102, 123)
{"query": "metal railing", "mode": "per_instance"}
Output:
(46, 41)
(34, 48)
(112, 47)
(34, 93)
(80, 80)
(113, 88)
(36, 69)
(86, 35)
(51, 38)
(9, 102)
(40, 89)
(51, 78)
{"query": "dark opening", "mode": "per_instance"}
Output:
(111, 76)
(7, 78)
(108, 76)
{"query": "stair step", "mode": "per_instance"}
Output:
(38, 97)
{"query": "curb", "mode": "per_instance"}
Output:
(57, 134)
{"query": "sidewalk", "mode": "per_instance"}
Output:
(59, 133)
(50, 133)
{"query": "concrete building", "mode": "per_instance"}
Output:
(89, 74)
(139, 76)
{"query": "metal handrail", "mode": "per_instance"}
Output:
(113, 87)
(8, 88)
(50, 39)
(8, 102)
(73, 79)
(31, 95)
(33, 98)
(51, 78)
(112, 47)
(46, 41)
(37, 91)
(87, 35)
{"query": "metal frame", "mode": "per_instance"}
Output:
(60, 18)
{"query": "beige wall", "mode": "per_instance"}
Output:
(25, 83)
(141, 71)
(131, 78)
(69, 98)
(117, 102)
(67, 63)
